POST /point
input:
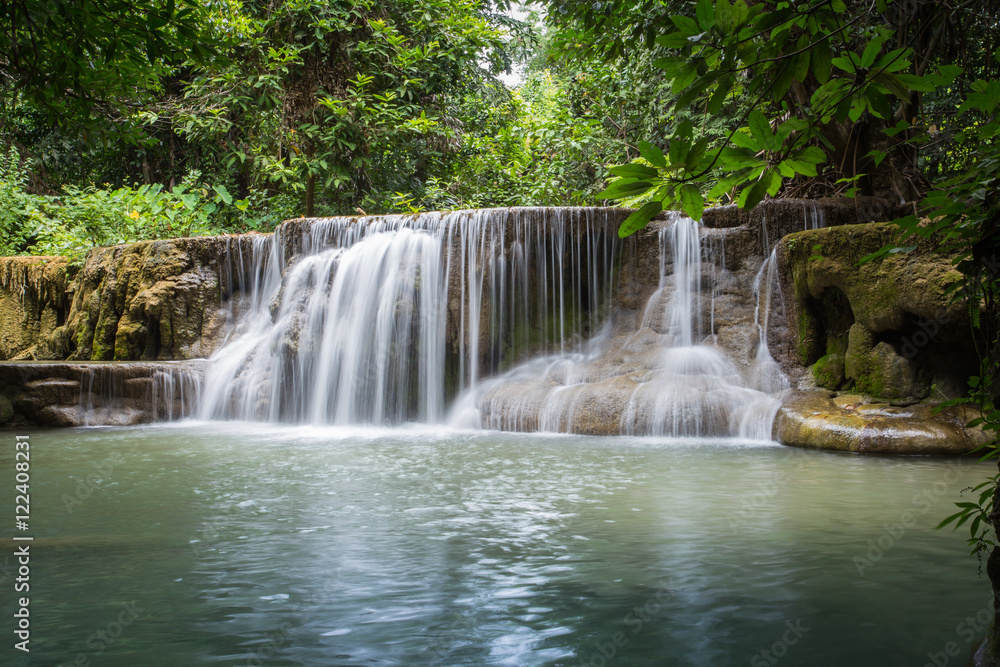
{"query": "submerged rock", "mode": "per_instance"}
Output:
(851, 423)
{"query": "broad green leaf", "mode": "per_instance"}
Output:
(719, 96)
(746, 140)
(639, 218)
(843, 63)
(679, 147)
(223, 194)
(783, 81)
(894, 85)
(724, 16)
(706, 14)
(737, 158)
(621, 190)
(858, 105)
(754, 194)
(800, 167)
(634, 170)
(776, 182)
(673, 40)
(692, 201)
(761, 130)
(871, 52)
(802, 66)
(820, 59)
(812, 154)
(685, 24)
(774, 18)
(727, 184)
(878, 104)
(741, 12)
(695, 89)
(895, 60)
(918, 83)
(652, 154)
(696, 154)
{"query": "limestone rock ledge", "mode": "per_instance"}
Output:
(97, 394)
(851, 423)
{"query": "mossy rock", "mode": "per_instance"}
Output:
(819, 420)
(829, 371)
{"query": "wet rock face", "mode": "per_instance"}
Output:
(33, 306)
(851, 423)
(887, 328)
(150, 300)
(61, 394)
(153, 300)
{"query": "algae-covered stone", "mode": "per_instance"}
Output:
(829, 371)
(896, 312)
(33, 303)
(878, 370)
(818, 420)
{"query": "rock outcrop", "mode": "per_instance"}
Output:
(152, 300)
(854, 423)
(34, 304)
(97, 394)
(888, 328)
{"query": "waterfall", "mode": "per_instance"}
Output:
(135, 392)
(384, 319)
(501, 319)
(666, 378)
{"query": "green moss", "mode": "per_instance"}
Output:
(99, 351)
(828, 372)
(809, 335)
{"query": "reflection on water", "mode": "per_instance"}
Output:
(257, 545)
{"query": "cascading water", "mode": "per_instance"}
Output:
(383, 320)
(664, 379)
(402, 318)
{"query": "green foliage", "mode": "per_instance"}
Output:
(15, 226)
(83, 62)
(808, 68)
(81, 218)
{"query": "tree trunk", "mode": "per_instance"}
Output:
(310, 195)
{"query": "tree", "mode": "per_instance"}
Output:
(83, 61)
(343, 101)
(837, 95)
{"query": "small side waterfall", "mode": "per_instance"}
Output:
(127, 393)
(664, 379)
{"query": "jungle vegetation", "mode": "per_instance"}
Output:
(129, 119)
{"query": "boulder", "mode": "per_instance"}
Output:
(852, 423)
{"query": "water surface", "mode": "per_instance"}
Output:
(237, 544)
